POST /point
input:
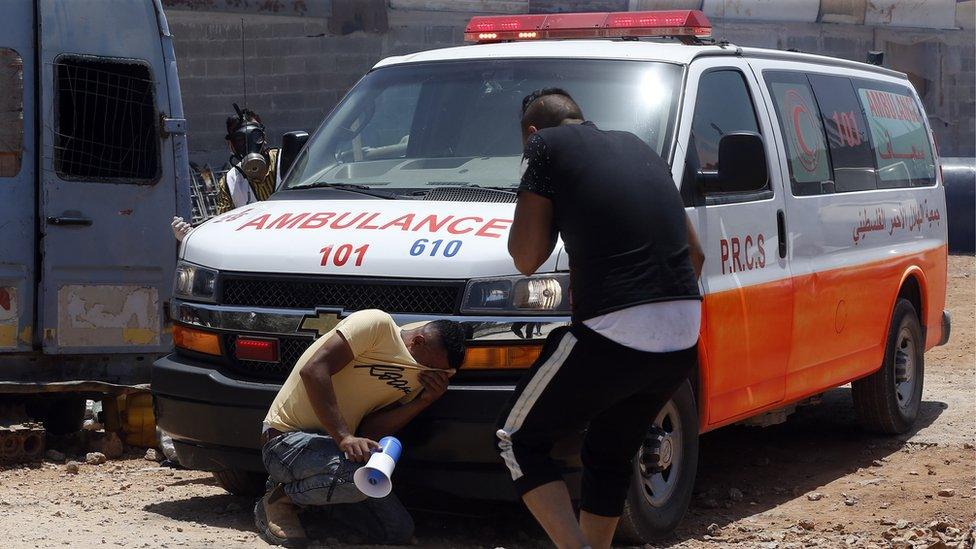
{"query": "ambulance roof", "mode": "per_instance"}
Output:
(673, 52)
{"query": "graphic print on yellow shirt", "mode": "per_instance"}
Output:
(381, 373)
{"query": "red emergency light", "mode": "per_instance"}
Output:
(256, 348)
(687, 25)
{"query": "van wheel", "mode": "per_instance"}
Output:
(64, 415)
(888, 400)
(241, 483)
(664, 472)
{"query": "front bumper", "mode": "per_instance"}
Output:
(215, 421)
(214, 410)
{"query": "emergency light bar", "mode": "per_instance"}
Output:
(687, 25)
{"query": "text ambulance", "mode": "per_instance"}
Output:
(813, 183)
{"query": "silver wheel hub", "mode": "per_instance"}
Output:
(659, 459)
(905, 365)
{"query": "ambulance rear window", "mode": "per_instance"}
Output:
(802, 127)
(847, 133)
(899, 136)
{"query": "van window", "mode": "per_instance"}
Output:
(899, 135)
(11, 112)
(723, 106)
(850, 148)
(803, 131)
(105, 121)
(383, 130)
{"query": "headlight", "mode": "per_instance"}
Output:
(515, 294)
(194, 282)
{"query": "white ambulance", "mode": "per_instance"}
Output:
(813, 182)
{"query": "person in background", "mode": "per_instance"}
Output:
(365, 379)
(254, 173)
(634, 266)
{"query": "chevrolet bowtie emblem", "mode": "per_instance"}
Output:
(320, 323)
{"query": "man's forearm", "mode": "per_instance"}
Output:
(318, 385)
(388, 422)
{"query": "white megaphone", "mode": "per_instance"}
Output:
(373, 479)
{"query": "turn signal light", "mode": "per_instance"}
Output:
(195, 340)
(516, 357)
(257, 348)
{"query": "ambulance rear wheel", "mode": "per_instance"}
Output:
(664, 472)
(242, 483)
(888, 400)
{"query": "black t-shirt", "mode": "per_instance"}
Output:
(619, 213)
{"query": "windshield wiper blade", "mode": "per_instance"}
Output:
(350, 187)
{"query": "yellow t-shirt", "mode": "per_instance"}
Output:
(381, 373)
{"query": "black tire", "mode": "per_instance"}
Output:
(647, 516)
(888, 400)
(64, 415)
(242, 483)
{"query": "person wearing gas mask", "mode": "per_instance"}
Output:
(254, 172)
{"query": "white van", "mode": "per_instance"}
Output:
(813, 183)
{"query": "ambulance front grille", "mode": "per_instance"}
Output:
(390, 295)
(290, 349)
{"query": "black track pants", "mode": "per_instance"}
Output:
(582, 378)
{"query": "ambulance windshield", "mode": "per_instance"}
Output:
(457, 123)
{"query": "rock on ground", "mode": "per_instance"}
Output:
(109, 444)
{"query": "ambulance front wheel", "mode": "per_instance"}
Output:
(242, 483)
(888, 400)
(664, 472)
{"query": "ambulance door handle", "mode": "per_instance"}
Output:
(781, 228)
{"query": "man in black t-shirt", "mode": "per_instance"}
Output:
(634, 267)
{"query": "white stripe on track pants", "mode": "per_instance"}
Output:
(581, 380)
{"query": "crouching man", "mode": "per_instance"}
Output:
(365, 379)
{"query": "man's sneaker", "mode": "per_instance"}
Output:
(277, 520)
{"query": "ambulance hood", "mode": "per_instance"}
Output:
(382, 238)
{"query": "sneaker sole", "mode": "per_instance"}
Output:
(261, 521)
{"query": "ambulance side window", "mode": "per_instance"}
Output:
(105, 128)
(723, 106)
(11, 112)
(802, 128)
(899, 136)
(847, 133)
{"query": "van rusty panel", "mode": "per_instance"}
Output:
(17, 179)
(107, 256)
(108, 316)
(8, 317)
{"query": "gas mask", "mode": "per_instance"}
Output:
(248, 143)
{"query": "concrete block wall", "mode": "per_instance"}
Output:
(299, 63)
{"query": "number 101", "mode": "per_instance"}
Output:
(342, 254)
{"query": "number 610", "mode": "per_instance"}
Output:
(450, 249)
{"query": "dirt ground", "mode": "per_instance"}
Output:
(815, 481)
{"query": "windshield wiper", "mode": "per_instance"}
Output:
(350, 187)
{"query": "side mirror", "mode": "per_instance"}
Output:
(741, 165)
(291, 144)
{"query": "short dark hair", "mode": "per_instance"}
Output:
(453, 337)
(559, 106)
